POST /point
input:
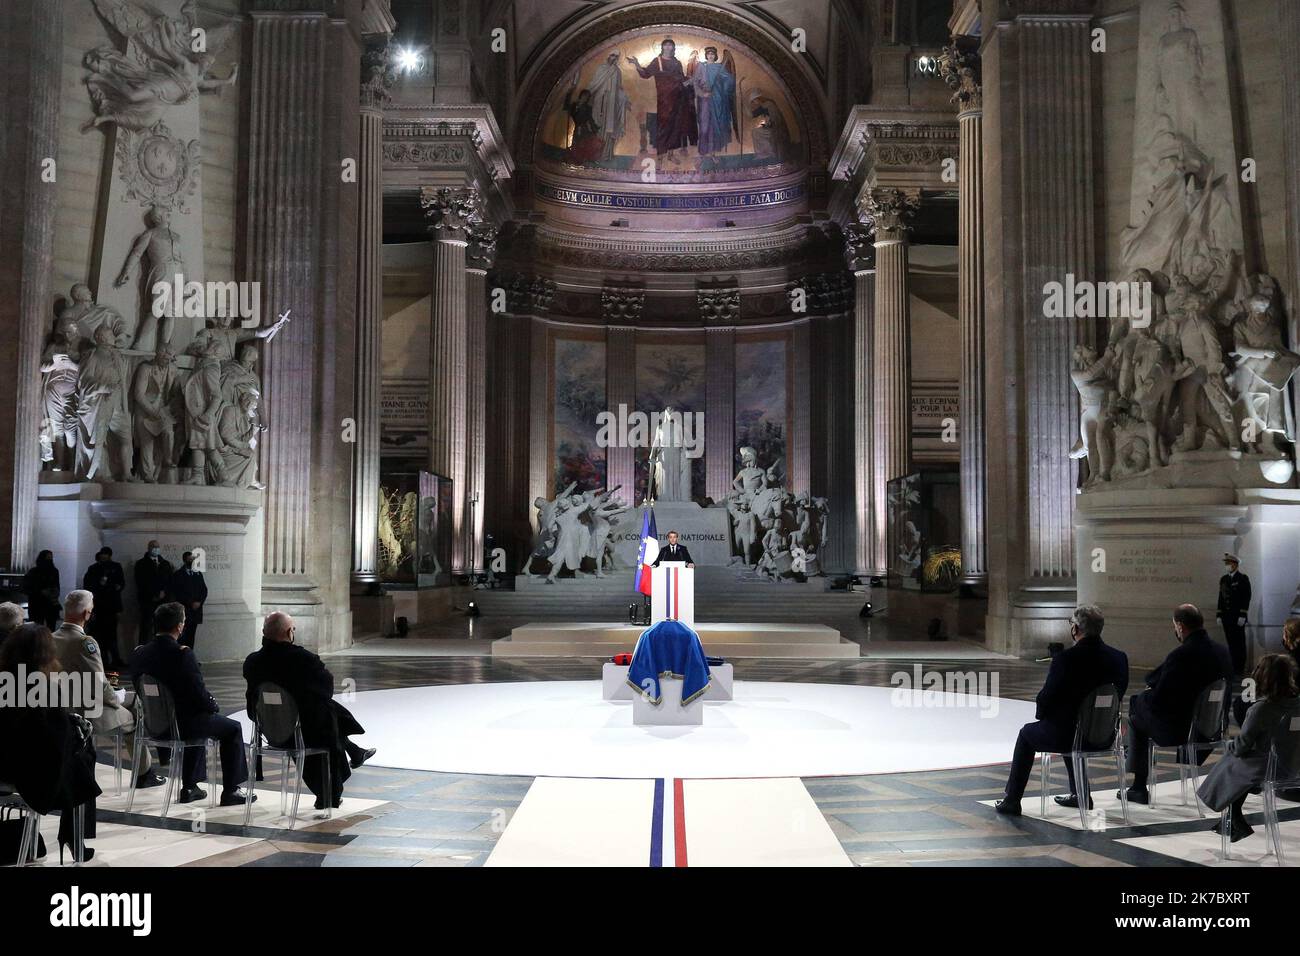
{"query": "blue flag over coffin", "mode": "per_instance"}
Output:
(669, 649)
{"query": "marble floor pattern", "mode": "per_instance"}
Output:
(415, 818)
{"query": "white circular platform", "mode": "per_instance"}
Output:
(564, 729)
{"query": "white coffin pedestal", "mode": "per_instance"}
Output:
(614, 685)
(669, 712)
(76, 519)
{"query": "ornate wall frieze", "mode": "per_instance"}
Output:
(622, 304)
(719, 305)
(859, 247)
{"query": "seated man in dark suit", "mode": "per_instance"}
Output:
(1163, 712)
(1075, 672)
(673, 551)
(176, 668)
(325, 722)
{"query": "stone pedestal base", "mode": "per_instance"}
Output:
(1142, 553)
(74, 520)
(372, 614)
(706, 532)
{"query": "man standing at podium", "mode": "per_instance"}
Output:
(674, 552)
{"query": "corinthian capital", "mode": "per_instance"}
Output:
(377, 77)
(859, 248)
(888, 213)
(450, 211)
(482, 244)
(959, 65)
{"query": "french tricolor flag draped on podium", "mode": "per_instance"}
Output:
(649, 551)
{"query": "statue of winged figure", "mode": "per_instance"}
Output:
(163, 61)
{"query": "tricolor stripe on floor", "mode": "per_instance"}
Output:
(668, 822)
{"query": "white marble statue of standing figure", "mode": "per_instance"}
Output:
(59, 371)
(159, 247)
(1265, 367)
(572, 536)
(1092, 376)
(103, 416)
(202, 417)
(670, 468)
(155, 394)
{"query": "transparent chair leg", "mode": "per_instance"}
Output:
(329, 789)
(135, 762)
(27, 842)
(1273, 825)
(1195, 773)
(253, 753)
(79, 834)
(1123, 790)
(1082, 792)
(299, 759)
(1044, 774)
(1151, 776)
(173, 777)
(1182, 776)
(210, 755)
(1225, 831)
(117, 760)
(284, 782)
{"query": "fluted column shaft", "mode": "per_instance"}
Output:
(368, 358)
(719, 411)
(1289, 35)
(970, 313)
(891, 353)
(450, 213)
(475, 413)
(448, 390)
(31, 40)
(620, 389)
(869, 555)
(1059, 239)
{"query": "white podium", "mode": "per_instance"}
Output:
(672, 593)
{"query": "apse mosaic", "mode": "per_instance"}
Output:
(579, 398)
(703, 106)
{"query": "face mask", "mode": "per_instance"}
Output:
(154, 552)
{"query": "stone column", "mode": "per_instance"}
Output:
(1289, 35)
(961, 69)
(479, 253)
(302, 230)
(719, 410)
(541, 466)
(869, 555)
(798, 446)
(1039, 226)
(888, 212)
(449, 212)
(620, 389)
(370, 314)
(31, 41)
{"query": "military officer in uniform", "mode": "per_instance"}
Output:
(80, 654)
(1234, 605)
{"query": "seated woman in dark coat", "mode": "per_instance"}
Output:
(45, 751)
(1242, 770)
